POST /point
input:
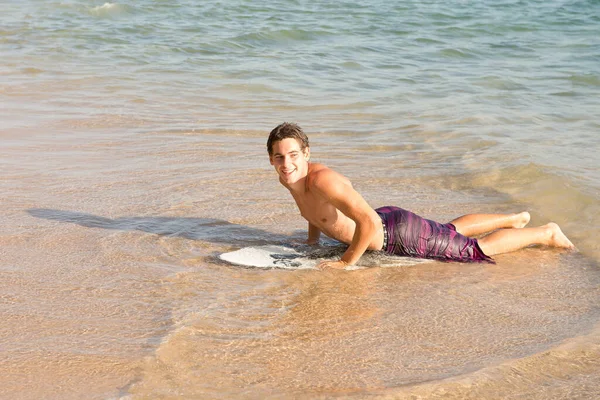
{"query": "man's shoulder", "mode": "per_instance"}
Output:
(320, 175)
(317, 168)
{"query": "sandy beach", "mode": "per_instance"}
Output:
(133, 154)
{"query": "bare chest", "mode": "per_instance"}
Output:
(315, 209)
(325, 216)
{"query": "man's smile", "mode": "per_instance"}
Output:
(290, 160)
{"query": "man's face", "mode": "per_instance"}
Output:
(289, 160)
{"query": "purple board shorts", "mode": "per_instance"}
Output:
(409, 235)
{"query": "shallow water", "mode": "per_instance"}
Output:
(133, 154)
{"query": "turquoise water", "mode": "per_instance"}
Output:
(525, 72)
(132, 137)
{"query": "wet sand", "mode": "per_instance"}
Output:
(111, 287)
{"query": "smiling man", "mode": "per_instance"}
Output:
(330, 204)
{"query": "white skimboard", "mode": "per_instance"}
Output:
(270, 256)
(276, 256)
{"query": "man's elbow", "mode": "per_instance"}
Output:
(371, 224)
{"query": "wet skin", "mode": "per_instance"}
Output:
(327, 200)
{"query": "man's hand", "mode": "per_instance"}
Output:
(332, 265)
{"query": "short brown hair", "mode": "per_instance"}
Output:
(285, 131)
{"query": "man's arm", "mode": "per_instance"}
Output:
(314, 234)
(341, 194)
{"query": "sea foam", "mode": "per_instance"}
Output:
(110, 10)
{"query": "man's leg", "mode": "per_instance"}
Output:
(506, 240)
(477, 224)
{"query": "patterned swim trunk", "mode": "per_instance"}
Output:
(407, 234)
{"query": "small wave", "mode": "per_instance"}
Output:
(281, 35)
(110, 10)
(456, 53)
(32, 70)
(498, 83)
(585, 80)
(568, 93)
(566, 371)
(424, 40)
(352, 65)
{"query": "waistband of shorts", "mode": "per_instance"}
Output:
(385, 233)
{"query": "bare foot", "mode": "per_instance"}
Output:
(521, 220)
(558, 238)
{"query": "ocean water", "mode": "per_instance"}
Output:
(132, 153)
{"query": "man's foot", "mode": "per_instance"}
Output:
(521, 220)
(558, 238)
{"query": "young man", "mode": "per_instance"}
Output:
(328, 202)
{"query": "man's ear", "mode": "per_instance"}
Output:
(271, 159)
(307, 153)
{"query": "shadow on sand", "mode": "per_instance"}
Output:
(206, 229)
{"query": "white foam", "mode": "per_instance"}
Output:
(110, 9)
(105, 6)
